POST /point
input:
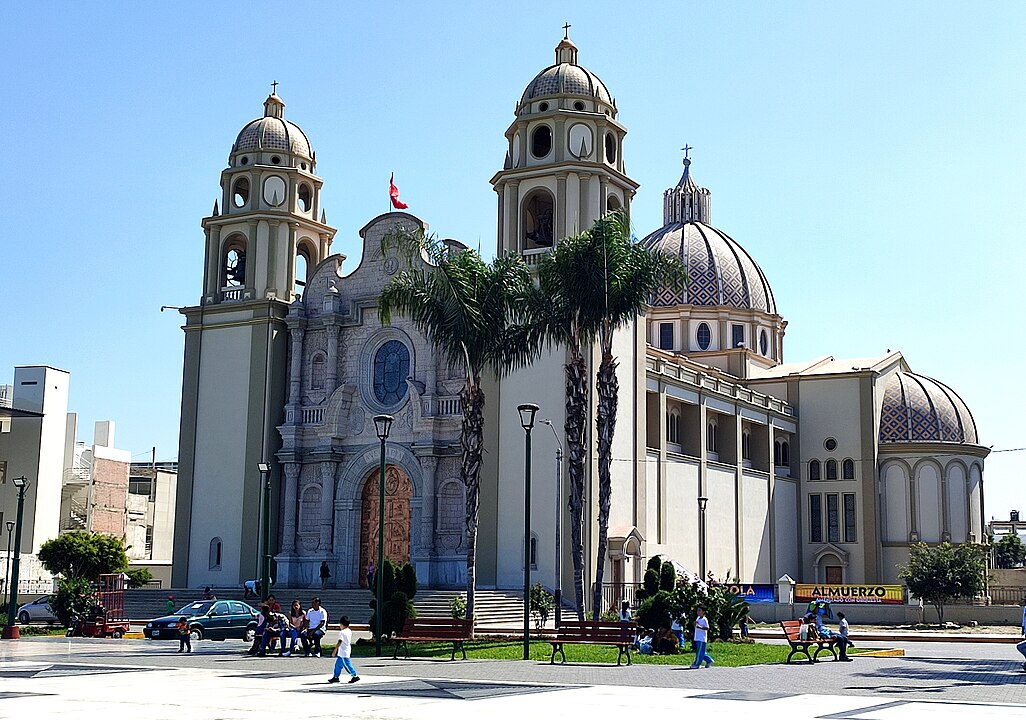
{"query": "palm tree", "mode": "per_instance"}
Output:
(467, 308)
(631, 275)
(590, 285)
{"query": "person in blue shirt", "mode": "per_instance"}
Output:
(1021, 647)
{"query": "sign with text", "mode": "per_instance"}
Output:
(753, 592)
(877, 594)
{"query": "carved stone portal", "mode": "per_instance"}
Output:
(398, 491)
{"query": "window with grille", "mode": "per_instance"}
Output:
(831, 469)
(849, 518)
(848, 469)
(814, 470)
(833, 519)
(816, 518)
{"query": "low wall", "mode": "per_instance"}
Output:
(868, 614)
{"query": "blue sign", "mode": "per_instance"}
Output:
(753, 592)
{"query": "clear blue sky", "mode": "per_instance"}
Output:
(869, 156)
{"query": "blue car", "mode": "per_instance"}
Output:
(210, 619)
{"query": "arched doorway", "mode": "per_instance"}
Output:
(398, 491)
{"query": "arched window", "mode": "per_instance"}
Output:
(215, 554)
(746, 445)
(302, 269)
(391, 368)
(848, 469)
(712, 440)
(613, 203)
(305, 197)
(538, 220)
(673, 427)
(785, 453)
(240, 192)
(534, 552)
(831, 469)
(318, 364)
(233, 266)
(814, 470)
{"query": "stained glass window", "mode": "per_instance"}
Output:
(391, 368)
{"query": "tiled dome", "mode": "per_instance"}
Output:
(273, 132)
(566, 77)
(720, 272)
(920, 409)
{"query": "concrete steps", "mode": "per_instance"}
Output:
(493, 607)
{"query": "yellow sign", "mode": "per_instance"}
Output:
(880, 594)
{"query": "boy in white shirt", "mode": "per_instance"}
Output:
(701, 639)
(343, 649)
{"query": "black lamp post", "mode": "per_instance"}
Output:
(558, 585)
(702, 502)
(11, 632)
(7, 568)
(382, 424)
(527, 412)
(265, 527)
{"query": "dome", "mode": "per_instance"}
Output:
(720, 272)
(566, 77)
(273, 132)
(920, 409)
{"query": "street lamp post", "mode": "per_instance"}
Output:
(527, 412)
(265, 526)
(702, 502)
(558, 585)
(11, 632)
(7, 566)
(382, 424)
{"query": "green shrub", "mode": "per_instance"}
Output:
(406, 580)
(458, 606)
(667, 576)
(656, 611)
(73, 598)
(398, 609)
(542, 603)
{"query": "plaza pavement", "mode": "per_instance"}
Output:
(81, 678)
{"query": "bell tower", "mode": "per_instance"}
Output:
(564, 164)
(265, 236)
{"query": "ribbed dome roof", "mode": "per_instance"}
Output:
(566, 77)
(920, 409)
(720, 271)
(273, 132)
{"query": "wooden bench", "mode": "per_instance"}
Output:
(792, 629)
(594, 632)
(454, 630)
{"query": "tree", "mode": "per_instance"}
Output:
(940, 573)
(1009, 552)
(83, 555)
(591, 285)
(469, 310)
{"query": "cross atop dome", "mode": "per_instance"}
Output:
(274, 106)
(566, 51)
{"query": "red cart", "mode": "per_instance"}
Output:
(107, 617)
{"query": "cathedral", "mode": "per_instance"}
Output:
(727, 459)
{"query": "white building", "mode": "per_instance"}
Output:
(725, 458)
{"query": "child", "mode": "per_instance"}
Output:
(169, 606)
(343, 649)
(184, 638)
(746, 620)
(701, 639)
(842, 640)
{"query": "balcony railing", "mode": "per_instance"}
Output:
(615, 593)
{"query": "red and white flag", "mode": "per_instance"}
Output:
(393, 194)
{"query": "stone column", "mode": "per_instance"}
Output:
(327, 470)
(296, 365)
(428, 465)
(331, 381)
(272, 262)
(560, 207)
(288, 531)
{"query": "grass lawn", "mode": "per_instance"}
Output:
(725, 654)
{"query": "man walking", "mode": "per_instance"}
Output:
(842, 641)
(325, 574)
(701, 639)
(343, 649)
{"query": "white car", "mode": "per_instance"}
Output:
(37, 611)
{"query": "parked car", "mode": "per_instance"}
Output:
(210, 619)
(37, 611)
